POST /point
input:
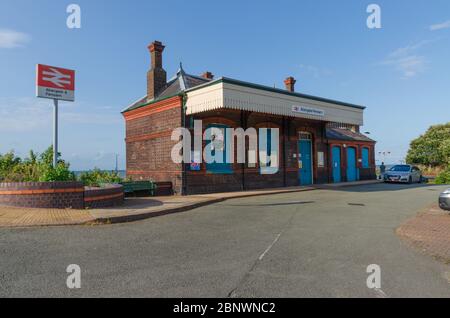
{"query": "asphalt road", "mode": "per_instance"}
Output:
(308, 244)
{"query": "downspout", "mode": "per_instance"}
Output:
(284, 151)
(329, 162)
(183, 165)
(244, 126)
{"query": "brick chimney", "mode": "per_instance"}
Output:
(156, 77)
(290, 84)
(208, 75)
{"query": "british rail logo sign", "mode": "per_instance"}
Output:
(55, 83)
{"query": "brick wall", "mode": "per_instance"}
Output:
(111, 195)
(59, 195)
(149, 144)
(364, 173)
(248, 178)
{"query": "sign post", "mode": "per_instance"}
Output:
(55, 132)
(58, 84)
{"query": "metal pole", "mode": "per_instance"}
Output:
(55, 133)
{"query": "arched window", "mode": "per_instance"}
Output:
(268, 150)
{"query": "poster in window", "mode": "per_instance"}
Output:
(195, 163)
(320, 159)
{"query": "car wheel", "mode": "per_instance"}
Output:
(420, 179)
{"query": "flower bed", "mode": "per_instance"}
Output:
(59, 195)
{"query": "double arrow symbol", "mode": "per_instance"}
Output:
(57, 78)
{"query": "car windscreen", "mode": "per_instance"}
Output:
(400, 168)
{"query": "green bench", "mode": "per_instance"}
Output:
(133, 187)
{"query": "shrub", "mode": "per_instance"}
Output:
(35, 168)
(97, 177)
(443, 177)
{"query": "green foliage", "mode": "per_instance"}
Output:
(432, 148)
(443, 177)
(35, 168)
(98, 177)
(8, 162)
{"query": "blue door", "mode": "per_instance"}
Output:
(305, 162)
(336, 162)
(365, 157)
(352, 173)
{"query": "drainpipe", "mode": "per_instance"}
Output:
(244, 126)
(284, 151)
(183, 165)
(329, 162)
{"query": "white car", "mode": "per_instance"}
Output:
(444, 200)
(404, 174)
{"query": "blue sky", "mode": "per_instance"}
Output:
(401, 72)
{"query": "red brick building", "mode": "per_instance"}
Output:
(319, 139)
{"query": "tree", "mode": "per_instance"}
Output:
(432, 148)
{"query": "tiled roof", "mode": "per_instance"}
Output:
(179, 83)
(346, 134)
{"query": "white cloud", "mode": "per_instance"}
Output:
(440, 26)
(407, 50)
(407, 61)
(409, 66)
(10, 39)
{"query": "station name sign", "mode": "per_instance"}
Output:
(308, 111)
(55, 83)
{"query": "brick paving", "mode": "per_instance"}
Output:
(24, 217)
(429, 231)
(134, 208)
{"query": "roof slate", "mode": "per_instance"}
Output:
(178, 84)
(182, 82)
(346, 134)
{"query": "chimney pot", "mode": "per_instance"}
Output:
(290, 84)
(156, 46)
(208, 75)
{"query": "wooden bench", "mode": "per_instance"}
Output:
(163, 188)
(134, 187)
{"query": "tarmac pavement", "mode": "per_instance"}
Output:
(305, 244)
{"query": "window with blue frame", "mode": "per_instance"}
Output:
(222, 151)
(267, 147)
(365, 157)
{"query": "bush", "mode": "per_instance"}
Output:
(432, 148)
(443, 177)
(35, 168)
(39, 168)
(97, 177)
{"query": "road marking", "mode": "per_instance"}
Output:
(270, 247)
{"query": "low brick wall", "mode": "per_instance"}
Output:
(109, 195)
(58, 195)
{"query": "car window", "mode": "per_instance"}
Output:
(401, 168)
